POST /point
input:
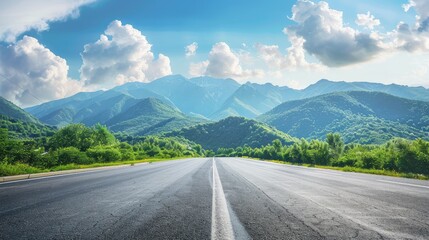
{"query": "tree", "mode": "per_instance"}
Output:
(4, 140)
(336, 144)
(73, 135)
(102, 136)
(81, 137)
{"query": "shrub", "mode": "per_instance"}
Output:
(101, 154)
(72, 155)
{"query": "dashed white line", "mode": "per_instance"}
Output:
(221, 221)
(406, 184)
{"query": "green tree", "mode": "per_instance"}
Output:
(102, 136)
(336, 144)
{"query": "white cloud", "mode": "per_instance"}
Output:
(294, 59)
(191, 49)
(223, 63)
(31, 74)
(414, 38)
(326, 37)
(422, 9)
(121, 55)
(367, 20)
(198, 69)
(19, 16)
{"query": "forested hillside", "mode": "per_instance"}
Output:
(232, 132)
(150, 116)
(365, 117)
(11, 110)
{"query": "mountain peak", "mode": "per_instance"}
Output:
(176, 77)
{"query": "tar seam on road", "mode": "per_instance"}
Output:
(221, 221)
(406, 184)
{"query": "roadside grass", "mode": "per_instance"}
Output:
(18, 169)
(21, 168)
(355, 169)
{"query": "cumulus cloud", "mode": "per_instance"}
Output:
(414, 38)
(122, 54)
(198, 69)
(367, 20)
(19, 16)
(191, 49)
(326, 37)
(295, 57)
(223, 63)
(31, 74)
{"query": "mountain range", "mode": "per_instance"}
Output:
(204, 97)
(361, 112)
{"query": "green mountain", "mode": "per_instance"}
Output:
(198, 97)
(251, 100)
(325, 86)
(232, 132)
(365, 117)
(203, 95)
(23, 130)
(9, 109)
(150, 116)
(87, 108)
(21, 124)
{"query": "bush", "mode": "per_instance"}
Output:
(102, 154)
(72, 155)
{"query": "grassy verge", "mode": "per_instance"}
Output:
(358, 170)
(17, 169)
(20, 168)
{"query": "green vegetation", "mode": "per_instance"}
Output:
(77, 145)
(232, 132)
(23, 130)
(398, 157)
(12, 111)
(365, 117)
(150, 116)
(360, 117)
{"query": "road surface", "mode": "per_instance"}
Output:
(222, 198)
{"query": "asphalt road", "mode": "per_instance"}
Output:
(225, 198)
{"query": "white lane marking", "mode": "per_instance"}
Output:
(221, 221)
(406, 184)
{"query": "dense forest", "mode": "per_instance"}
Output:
(78, 144)
(397, 155)
(232, 132)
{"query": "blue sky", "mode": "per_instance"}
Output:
(171, 25)
(241, 39)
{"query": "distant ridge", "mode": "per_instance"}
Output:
(360, 116)
(232, 132)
